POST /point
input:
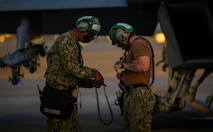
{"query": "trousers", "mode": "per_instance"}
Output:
(64, 125)
(138, 109)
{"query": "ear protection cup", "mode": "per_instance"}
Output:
(120, 32)
(83, 26)
(88, 23)
(120, 35)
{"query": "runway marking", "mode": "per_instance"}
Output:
(193, 104)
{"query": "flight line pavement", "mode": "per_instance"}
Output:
(19, 106)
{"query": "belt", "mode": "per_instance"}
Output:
(137, 85)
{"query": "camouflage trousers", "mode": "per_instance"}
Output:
(138, 109)
(60, 125)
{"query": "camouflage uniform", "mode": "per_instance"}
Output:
(65, 67)
(138, 109)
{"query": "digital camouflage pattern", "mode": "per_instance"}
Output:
(59, 125)
(138, 109)
(65, 63)
(65, 67)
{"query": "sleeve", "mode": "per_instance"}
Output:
(140, 48)
(70, 55)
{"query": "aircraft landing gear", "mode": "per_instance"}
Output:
(2, 65)
(209, 100)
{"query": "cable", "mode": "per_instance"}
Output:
(98, 106)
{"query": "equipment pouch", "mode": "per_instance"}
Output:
(85, 83)
(56, 103)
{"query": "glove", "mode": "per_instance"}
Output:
(99, 80)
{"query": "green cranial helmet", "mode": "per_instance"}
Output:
(88, 23)
(119, 34)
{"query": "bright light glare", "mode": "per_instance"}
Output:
(160, 38)
(2, 38)
(7, 35)
(37, 40)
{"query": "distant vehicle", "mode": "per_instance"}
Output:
(27, 57)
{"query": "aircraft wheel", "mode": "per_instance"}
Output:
(2, 65)
(32, 69)
(14, 81)
(26, 63)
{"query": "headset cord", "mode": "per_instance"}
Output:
(98, 106)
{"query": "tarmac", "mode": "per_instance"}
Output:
(19, 106)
